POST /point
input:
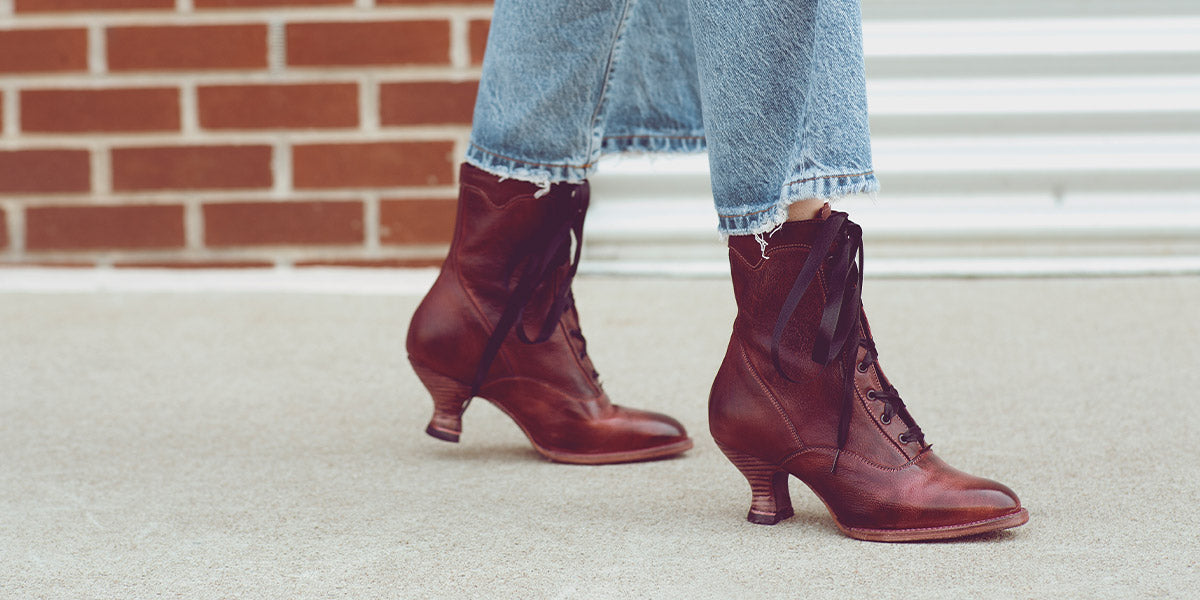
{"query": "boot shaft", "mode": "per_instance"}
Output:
(499, 222)
(775, 409)
(502, 230)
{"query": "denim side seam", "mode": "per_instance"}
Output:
(596, 141)
(821, 187)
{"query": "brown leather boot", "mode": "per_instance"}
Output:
(500, 323)
(801, 392)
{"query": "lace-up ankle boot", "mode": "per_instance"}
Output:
(801, 393)
(500, 323)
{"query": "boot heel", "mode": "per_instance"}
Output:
(770, 501)
(450, 399)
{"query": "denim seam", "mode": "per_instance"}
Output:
(653, 137)
(595, 143)
(653, 144)
(816, 177)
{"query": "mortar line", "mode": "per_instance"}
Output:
(188, 16)
(368, 104)
(460, 45)
(189, 117)
(193, 224)
(101, 176)
(12, 112)
(97, 50)
(276, 46)
(15, 212)
(371, 222)
(140, 79)
(281, 168)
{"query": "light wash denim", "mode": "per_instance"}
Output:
(773, 89)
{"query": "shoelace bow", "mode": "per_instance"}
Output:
(539, 258)
(839, 243)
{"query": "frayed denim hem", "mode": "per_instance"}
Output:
(544, 174)
(822, 187)
(654, 144)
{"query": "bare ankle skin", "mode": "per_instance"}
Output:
(805, 209)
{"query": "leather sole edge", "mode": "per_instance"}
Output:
(644, 454)
(1014, 519)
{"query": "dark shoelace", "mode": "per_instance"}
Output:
(892, 404)
(539, 258)
(839, 243)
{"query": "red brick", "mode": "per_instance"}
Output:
(368, 43)
(62, 111)
(45, 171)
(187, 47)
(91, 5)
(429, 102)
(103, 227)
(375, 263)
(249, 3)
(477, 34)
(32, 50)
(278, 106)
(194, 264)
(3, 229)
(191, 168)
(380, 164)
(417, 221)
(277, 223)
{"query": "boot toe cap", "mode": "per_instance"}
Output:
(650, 429)
(994, 499)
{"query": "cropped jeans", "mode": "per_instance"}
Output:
(774, 90)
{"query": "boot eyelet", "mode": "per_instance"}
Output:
(904, 438)
(886, 420)
(862, 367)
(870, 394)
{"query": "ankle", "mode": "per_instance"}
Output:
(803, 210)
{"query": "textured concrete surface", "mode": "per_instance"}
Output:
(271, 446)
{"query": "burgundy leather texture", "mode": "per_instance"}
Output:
(548, 388)
(880, 482)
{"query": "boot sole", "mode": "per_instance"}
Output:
(605, 458)
(771, 503)
(946, 532)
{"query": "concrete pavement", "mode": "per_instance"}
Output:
(256, 445)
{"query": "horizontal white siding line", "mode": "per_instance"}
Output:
(899, 217)
(1016, 37)
(414, 282)
(1019, 153)
(1002, 96)
(934, 267)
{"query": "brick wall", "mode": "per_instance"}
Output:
(233, 132)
